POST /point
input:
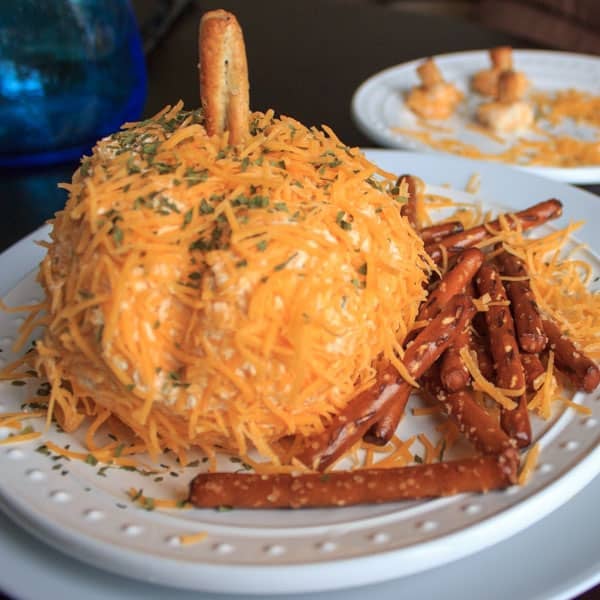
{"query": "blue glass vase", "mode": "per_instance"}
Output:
(71, 71)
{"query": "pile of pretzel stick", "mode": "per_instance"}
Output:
(509, 343)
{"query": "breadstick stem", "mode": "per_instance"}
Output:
(224, 89)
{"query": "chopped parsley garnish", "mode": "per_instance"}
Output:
(195, 176)
(284, 264)
(206, 208)
(90, 459)
(339, 219)
(262, 245)
(187, 218)
(117, 234)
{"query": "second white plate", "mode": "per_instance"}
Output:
(379, 110)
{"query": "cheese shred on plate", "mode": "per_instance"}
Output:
(223, 298)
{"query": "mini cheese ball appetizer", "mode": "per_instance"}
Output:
(508, 113)
(485, 82)
(434, 98)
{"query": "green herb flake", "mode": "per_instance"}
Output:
(164, 168)
(90, 459)
(281, 206)
(86, 167)
(18, 383)
(132, 168)
(195, 176)
(262, 245)
(241, 263)
(137, 495)
(442, 451)
(418, 459)
(118, 450)
(117, 234)
(224, 508)
(150, 148)
(206, 208)
(325, 477)
(363, 269)
(284, 264)
(187, 218)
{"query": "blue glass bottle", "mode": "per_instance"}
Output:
(71, 71)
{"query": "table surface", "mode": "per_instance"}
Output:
(305, 59)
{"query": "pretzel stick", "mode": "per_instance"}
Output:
(365, 409)
(505, 352)
(453, 372)
(534, 370)
(382, 431)
(416, 188)
(528, 218)
(452, 283)
(472, 420)
(224, 89)
(524, 307)
(436, 233)
(346, 488)
(484, 360)
(578, 367)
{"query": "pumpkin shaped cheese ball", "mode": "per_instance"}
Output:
(224, 295)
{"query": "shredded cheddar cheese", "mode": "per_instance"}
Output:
(482, 384)
(530, 464)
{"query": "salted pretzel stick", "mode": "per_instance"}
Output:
(365, 409)
(578, 367)
(346, 488)
(484, 360)
(452, 283)
(534, 370)
(453, 372)
(472, 420)
(436, 233)
(224, 89)
(505, 352)
(528, 218)
(416, 188)
(382, 431)
(524, 308)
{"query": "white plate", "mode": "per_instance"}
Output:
(292, 551)
(378, 106)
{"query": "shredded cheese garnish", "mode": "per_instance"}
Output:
(481, 383)
(530, 464)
